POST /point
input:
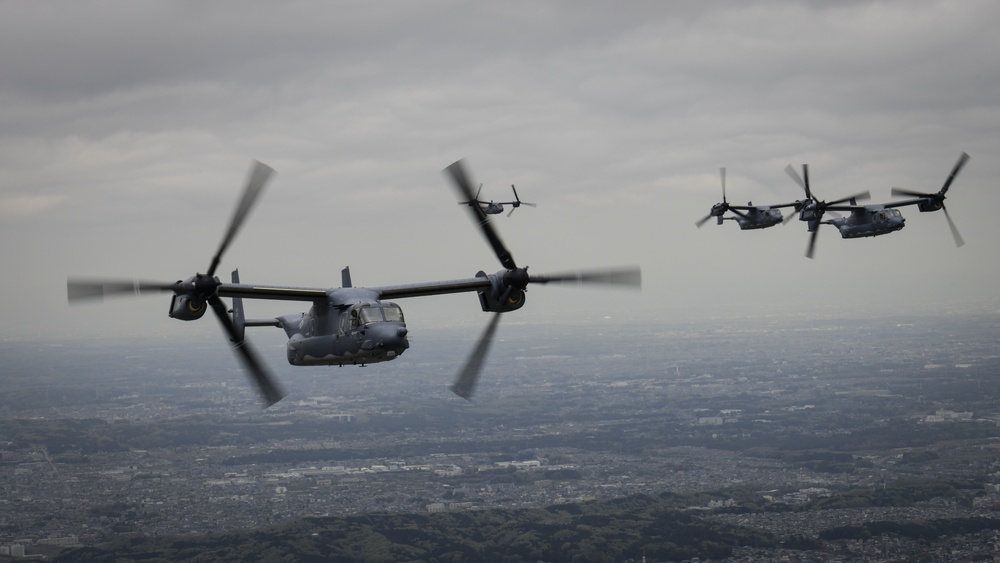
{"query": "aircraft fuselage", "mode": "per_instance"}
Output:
(759, 218)
(871, 221)
(346, 329)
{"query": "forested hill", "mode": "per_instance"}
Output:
(664, 527)
(614, 530)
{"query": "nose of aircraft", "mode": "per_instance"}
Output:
(389, 336)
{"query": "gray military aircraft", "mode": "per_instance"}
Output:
(748, 216)
(495, 207)
(932, 202)
(864, 220)
(347, 325)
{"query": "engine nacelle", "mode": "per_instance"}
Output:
(809, 213)
(493, 299)
(930, 205)
(187, 307)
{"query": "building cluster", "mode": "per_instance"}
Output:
(566, 426)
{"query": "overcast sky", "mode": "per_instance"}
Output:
(127, 130)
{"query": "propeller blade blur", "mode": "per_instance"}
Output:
(461, 181)
(909, 193)
(790, 170)
(631, 277)
(812, 243)
(860, 196)
(260, 173)
(954, 230)
(84, 290)
(262, 379)
(465, 383)
(954, 172)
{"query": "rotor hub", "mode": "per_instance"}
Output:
(518, 277)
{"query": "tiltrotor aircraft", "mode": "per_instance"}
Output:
(748, 216)
(867, 220)
(495, 207)
(863, 221)
(347, 325)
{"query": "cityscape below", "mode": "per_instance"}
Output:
(776, 420)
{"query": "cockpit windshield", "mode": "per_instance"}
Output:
(369, 314)
(393, 314)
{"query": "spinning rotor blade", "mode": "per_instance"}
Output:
(259, 175)
(515, 204)
(514, 279)
(812, 243)
(790, 216)
(865, 195)
(939, 197)
(465, 383)
(804, 184)
(266, 385)
(82, 290)
(201, 288)
(631, 277)
(954, 172)
(464, 187)
(517, 199)
(944, 189)
(902, 192)
(954, 230)
(724, 204)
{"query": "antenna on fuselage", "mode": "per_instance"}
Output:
(345, 277)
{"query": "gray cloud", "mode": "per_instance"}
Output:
(126, 129)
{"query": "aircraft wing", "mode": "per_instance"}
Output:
(284, 293)
(280, 293)
(905, 202)
(792, 204)
(628, 276)
(432, 288)
(874, 206)
(851, 208)
(760, 207)
(90, 289)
